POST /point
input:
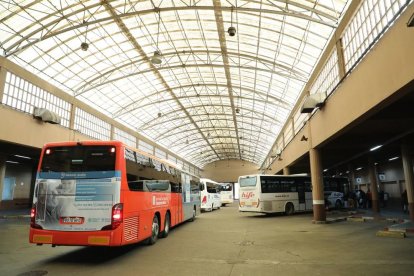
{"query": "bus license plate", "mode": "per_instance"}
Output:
(71, 220)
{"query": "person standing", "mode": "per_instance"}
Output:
(404, 201)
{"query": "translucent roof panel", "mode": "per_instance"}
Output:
(212, 97)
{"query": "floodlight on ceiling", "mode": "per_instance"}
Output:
(84, 46)
(156, 58)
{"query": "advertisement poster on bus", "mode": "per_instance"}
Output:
(80, 204)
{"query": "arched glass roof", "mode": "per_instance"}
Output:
(213, 97)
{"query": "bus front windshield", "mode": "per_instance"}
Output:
(248, 181)
(78, 159)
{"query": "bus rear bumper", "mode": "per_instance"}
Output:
(87, 238)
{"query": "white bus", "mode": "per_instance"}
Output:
(282, 194)
(210, 195)
(226, 193)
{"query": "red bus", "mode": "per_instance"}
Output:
(108, 194)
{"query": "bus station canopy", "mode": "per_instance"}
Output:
(171, 70)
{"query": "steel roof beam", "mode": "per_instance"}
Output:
(139, 49)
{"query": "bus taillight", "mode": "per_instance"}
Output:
(117, 215)
(33, 218)
(204, 199)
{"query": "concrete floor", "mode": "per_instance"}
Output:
(223, 242)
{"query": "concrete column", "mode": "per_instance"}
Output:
(72, 117)
(341, 60)
(286, 171)
(112, 134)
(2, 82)
(374, 184)
(319, 214)
(2, 174)
(408, 173)
(351, 177)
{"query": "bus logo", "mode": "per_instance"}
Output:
(247, 195)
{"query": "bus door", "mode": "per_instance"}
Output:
(301, 194)
(176, 204)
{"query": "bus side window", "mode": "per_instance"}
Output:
(134, 184)
(175, 187)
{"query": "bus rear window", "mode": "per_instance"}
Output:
(248, 181)
(226, 187)
(78, 159)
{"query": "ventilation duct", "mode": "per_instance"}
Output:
(46, 115)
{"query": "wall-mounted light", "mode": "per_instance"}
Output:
(410, 22)
(313, 101)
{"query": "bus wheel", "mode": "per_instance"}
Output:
(194, 214)
(155, 231)
(289, 209)
(338, 204)
(167, 225)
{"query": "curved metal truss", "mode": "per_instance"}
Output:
(213, 97)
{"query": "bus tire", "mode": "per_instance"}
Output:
(338, 204)
(194, 214)
(155, 230)
(167, 226)
(289, 209)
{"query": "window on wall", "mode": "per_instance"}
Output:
(91, 125)
(144, 146)
(125, 137)
(160, 153)
(24, 96)
(369, 23)
(328, 76)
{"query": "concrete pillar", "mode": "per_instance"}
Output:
(374, 184)
(2, 174)
(351, 177)
(341, 59)
(112, 133)
(286, 171)
(408, 173)
(319, 214)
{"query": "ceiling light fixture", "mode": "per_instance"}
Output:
(85, 45)
(375, 148)
(393, 158)
(22, 156)
(157, 57)
(231, 30)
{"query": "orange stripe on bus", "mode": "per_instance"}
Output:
(99, 240)
(42, 238)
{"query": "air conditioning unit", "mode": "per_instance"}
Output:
(46, 115)
(313, 101)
